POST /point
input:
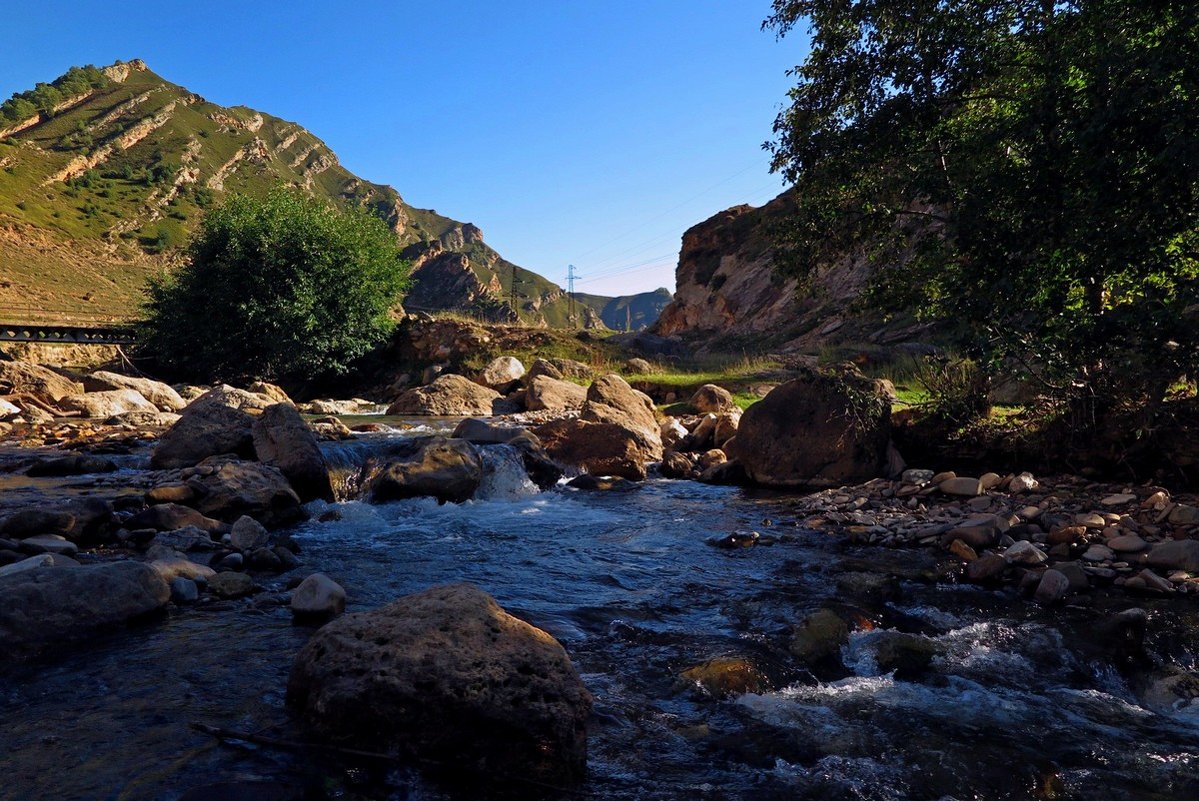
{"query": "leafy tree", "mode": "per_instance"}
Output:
(43, 98)
(1027, 170)
(283, 287)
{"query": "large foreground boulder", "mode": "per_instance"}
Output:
(448, 675)
(446, 469)
(161, 395)
(47, 386)
(237, 488)
(820, 429)
(204, 430)
(448, 396)
(51, 604)
(106, 404)
(283, 439)
(552, 394)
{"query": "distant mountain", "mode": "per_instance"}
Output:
(105, 172)
(628, 312)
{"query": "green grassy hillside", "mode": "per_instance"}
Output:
(105, 173)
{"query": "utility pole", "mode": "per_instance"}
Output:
(512, 299)
(570, 291)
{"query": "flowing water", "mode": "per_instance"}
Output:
(1015, 706)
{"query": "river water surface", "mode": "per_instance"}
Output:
(1016, 706)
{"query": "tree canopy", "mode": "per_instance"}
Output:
(1027, 170)
(45, 96)
(283, 287)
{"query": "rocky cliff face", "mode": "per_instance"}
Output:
(729, 297)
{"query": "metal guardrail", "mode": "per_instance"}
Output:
(49, 325)
(66, 334)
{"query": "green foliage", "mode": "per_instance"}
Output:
(1024, 170)
(958, 391)
(45, 96)
(283, 287)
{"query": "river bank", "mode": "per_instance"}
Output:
(630, 583)
(920, 636)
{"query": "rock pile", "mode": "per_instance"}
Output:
(1051, 537)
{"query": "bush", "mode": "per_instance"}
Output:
(959, 392)
(285, 287)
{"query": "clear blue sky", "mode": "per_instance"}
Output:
(591, 132)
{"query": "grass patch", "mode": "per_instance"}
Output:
(722, 372)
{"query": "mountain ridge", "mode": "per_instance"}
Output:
(105, 172)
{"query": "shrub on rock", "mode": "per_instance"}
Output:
(820, 429)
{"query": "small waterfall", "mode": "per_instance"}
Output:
(354, 463)
(504, 476)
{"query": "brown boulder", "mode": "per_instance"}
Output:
(238, 488)
(161, 395)
(172, 517)
(234, 398)
(820, 429)
(103, 405)
(449, 396)
(209, 429)
(447, 675)
(24, 378)
(712, 398)
(604, 449)
(552, 394)
(503, 374)
(272, 392)
(610, 400)
(542, 367)
(283, 439)
(446, 469)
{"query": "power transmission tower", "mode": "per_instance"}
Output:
(512, 298)
(570, 291)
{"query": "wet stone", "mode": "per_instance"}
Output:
(231, 585)
(184, 590)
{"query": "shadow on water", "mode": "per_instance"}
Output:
(1012, 707)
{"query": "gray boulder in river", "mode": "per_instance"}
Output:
(48, 605)
(446, 469)
(447, 675)
(204, 430)
(283, 439)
